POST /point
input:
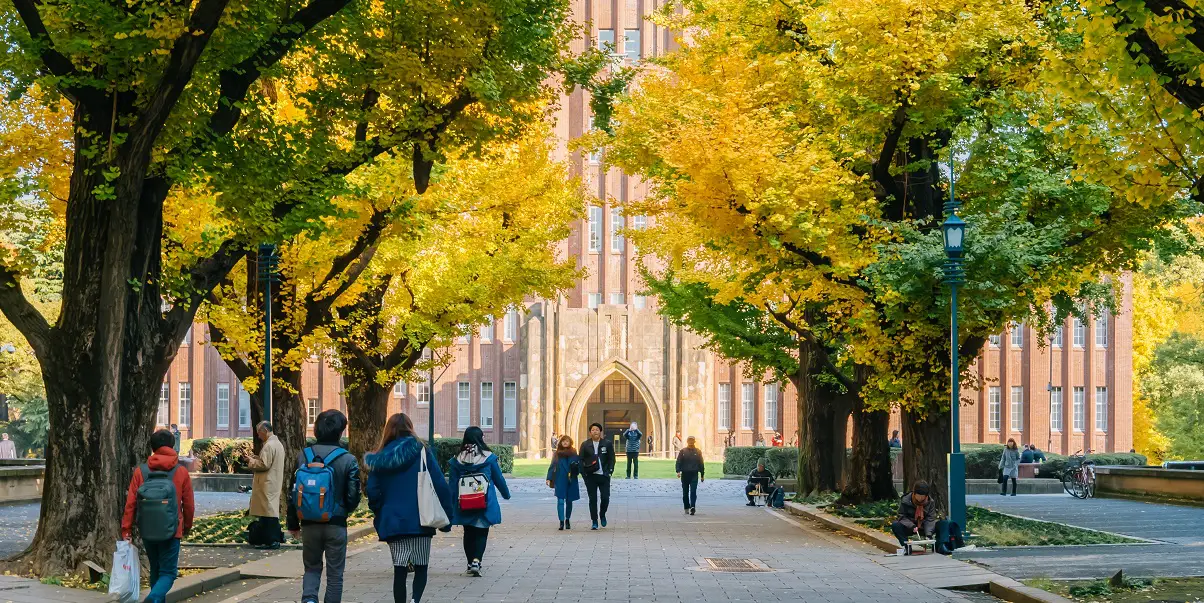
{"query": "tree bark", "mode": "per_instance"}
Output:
(368, 407)
(925, 446)
(869, 477)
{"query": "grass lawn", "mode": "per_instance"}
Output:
(231, 528)
(649, 468)
(1187, 590)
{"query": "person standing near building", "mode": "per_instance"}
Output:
(393, 497)
(175, 433)
(690, 469)
(1009, 467)
(8, 448)
(562, 477)
(477, 462)
(160, 499)
(895, 442)
(777, 441)
(340, 472)
(677, 444)
(597, 465)
(634, 439)
(268, 467)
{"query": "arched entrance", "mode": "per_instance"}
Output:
(615, 395)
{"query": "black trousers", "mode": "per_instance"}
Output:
(597, 486)
(633, 460)
(1005, 485)
(689, 489)
(475, 540)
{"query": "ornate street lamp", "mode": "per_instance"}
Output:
(954, 230)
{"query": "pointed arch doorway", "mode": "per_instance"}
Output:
(615, 396)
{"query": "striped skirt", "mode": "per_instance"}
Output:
(414, 550)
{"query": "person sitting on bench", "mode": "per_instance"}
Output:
(916, 515)
(759, 479)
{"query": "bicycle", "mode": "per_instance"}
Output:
(1079, 477)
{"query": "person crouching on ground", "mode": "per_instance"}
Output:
(916, 515)
(160, 499)
(759, 479)
(321, 534)
(562, 475)
(477, 462)
(691, 469)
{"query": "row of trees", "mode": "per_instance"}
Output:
(800, 154)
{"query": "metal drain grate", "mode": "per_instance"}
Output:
(720, 564)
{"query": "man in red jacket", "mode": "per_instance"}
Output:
(164, 555)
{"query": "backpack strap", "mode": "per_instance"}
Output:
(334, 454)
(146, 471)
(309, 455)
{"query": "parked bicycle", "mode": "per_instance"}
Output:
(1079, 477)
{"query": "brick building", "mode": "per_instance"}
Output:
(601, 353)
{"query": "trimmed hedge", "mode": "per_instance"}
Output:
(982, 461)
(740, 460)
(1054, 467)
(223, 455)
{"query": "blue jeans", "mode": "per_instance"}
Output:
(164, 557)
(689, 488)
(564, 509)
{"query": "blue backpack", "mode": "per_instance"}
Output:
(313, 488)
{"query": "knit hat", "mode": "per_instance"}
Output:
(920, 488)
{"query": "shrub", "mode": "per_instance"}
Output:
(446, 448)
(1056, 464)
(740, 460)
(223, 455)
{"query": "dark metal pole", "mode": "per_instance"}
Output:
(267, 270)
(956, 467)
(430, 416)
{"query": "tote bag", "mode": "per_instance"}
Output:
(430, 510)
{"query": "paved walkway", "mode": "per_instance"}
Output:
(650, 552)
(1179, 531)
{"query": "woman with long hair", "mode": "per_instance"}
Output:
(1009, 467)
(476, 467)
(562, 475)
(393, 497)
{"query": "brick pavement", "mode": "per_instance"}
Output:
(648, 553)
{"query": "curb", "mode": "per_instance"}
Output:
(1011, 590)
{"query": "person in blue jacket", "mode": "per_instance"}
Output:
(634, 439)
(393, 497)
(562, 475)
(474, 462)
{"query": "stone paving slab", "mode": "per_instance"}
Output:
(25, 590)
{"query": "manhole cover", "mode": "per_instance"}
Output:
(722, 564)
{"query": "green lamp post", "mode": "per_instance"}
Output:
(954, 230)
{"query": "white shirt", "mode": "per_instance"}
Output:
(598, 455)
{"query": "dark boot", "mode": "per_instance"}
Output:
(562, 526)
(568, 525)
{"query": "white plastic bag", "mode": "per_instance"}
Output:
(430, 510)
(123, 576)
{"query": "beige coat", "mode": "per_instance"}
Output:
(269, 479)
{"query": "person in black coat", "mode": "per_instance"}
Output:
(597, 465)
(691, 468)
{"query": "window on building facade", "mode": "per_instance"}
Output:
(487, 404)
(1101, 409)
(639, 301)
(725, 406)
(616, 299)
(606, 39)
(1080, 409)
(595, 228)
(463, 405)
(185, 402)
(187, 337)
(747, 400)
(1056, 338)
(311, 411)
(1017, 411)
(595, 300)
(423, 392)
(616, 230)
(994, 412)
(993, 340)
(510, 332)
(509, 405)
(772, 403)
(1101, 331)
(631, 45)
(1018, 335)
(638, 223)
(223, 405)
(399, 389)
(164, 405)
(1079, 333)
(487, 331)
(1055, 409)
(244, 408)
(464, 337)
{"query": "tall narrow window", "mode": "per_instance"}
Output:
(423, 393)
(1101, 331)
(595, 300)
(638, 223)
(187, 337)
(463, 404)
(639, 301)
(510, 333)
(312, 409)
(1080, 333)
(244, 408)
(1101, 409)
(1018, 335)
(1055, 409)
(747, 400)
(606, 39)
(1056, 340)
(725, 406)
(509, 405)
(487, 404)
(616, 299)
(164, 405)
(994, 412)
(595, 228)
(487, 332)
(1017, 415)
(616, 230)
(185, 402)
(223, 406)
(993, 340)
(772, 402)
(1080, 409)
(399, 389)
(631, 45)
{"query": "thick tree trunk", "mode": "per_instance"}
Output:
(869, 477)
(289, 417)
(925, 446)
(367, 409)
(828, 419)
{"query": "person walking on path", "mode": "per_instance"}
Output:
(1009, 467)
(691, 469)
(677, 444)
(562, 476)
(393, 497)
(8, 448)
(327, 536)
(160, 480)
(476, 462)
(634, 439)
(597, 465)
(268, 468)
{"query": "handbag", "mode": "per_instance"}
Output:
(1000, 479)
(472, 490)
(430, 510)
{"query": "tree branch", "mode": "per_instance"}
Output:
(824, 356)
(239, 364)
(1175, 79)
(55, 62)
(203, 277)
(890, 146)
(22, 314)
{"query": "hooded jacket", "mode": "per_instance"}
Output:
(485, 463)
(393, 488)
(163, 459)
